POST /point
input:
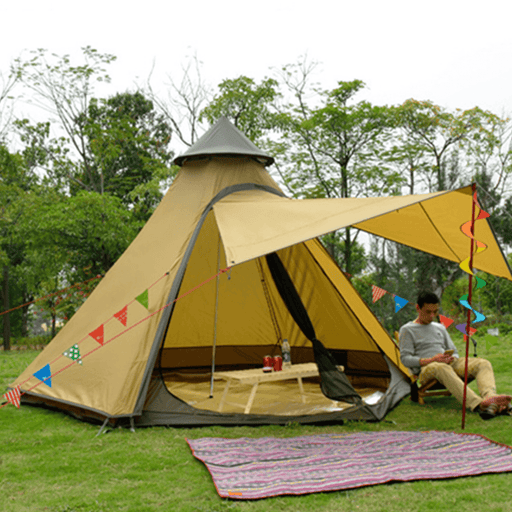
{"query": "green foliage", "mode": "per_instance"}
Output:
(432, 131)
(85, 231)
(337, 248)
(246, 104)
(17, 192)
(502, 221)
(127, 148)
(335, 146)
(118, 145)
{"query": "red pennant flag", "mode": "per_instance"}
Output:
(13, 396)
(97, 334)
(122, 315)
(471, 332)
(445, 321)
(377, 293)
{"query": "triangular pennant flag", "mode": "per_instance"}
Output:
(445, 321)
(462, 329)
(480, 283)
(45, 374)
(13, 396)
(97, 334)
(377, 293)
(122, 315)
(480, 317)
(143, 298)
(399, 303)
(74, 353)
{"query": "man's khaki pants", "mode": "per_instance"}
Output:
(452, 377)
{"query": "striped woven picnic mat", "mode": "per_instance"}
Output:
(249, 468)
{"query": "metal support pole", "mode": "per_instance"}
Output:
(470, 293)
(216, 316)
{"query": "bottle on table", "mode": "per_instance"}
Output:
(285, 350)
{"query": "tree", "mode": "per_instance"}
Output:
(128, 147)
(16, 194)
(335, 146)
(184, 102)
(84, 234)
(7, 85)
(433, 131)
(247, 105)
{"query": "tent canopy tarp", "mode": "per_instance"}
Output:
(255, 223)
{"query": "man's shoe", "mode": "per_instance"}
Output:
(488, 412)
(507, 411)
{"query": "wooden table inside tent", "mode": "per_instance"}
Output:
(257, 376)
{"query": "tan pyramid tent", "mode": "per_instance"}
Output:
(160, 322)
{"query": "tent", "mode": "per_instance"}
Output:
(223, 271)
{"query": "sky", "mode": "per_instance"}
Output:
(455, 53)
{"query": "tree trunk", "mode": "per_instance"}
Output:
(54, 327)
(24, 320)
(348, 251)
(7, 323)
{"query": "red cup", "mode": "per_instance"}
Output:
(278, 363)
(268, 363)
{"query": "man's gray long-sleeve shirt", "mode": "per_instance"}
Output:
(418, 341)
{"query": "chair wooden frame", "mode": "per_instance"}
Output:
(431, 388)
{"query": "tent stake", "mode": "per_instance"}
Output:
(102, 427)
(216, 313)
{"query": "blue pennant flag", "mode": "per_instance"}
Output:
(399, 303)
(45, 375)
(480, 317)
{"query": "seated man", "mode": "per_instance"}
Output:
(428, 351)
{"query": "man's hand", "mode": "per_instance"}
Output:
(443, 358)
(438, 358)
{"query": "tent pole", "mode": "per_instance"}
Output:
(470, 292)
(216, 315)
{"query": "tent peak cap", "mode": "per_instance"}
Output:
(224, 139)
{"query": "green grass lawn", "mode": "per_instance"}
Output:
(52, 462)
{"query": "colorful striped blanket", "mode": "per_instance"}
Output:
(259, 468)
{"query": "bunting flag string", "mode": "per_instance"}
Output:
(45, 374)
(60, 292)
(13, 396)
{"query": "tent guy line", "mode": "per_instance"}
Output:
(99, 276)
(48, 378)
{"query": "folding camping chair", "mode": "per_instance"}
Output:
(430, 388)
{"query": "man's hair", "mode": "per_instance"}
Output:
(427, 298)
